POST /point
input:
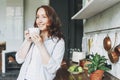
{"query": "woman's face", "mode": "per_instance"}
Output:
(42, 20)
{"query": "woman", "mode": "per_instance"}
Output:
(41, 55)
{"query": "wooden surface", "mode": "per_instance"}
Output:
(63, 74)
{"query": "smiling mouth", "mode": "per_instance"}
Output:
(40, 25)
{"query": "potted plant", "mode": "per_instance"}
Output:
(97, 67)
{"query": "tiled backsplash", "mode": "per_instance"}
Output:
(96, 29)
(97, 47)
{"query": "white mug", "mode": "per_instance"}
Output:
(34, 30)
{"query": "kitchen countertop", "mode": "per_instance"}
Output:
(108, 76)
(63, 74)
(84, 76)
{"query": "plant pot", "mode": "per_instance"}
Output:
(97, 75)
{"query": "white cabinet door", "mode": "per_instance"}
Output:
(13, 32)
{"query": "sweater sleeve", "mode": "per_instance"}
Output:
(22, 52)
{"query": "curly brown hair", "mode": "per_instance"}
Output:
(54, 29)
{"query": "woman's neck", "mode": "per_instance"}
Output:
(44, 35)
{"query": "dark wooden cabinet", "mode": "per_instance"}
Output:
(72, 29)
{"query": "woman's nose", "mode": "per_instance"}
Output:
(39, 20)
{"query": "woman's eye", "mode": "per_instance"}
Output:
(41, 17)
(44, 17)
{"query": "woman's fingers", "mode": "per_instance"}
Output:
(36, 38)
(27, 35)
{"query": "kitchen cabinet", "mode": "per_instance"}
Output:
(94, 7)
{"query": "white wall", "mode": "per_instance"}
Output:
(2, 19)
(97, 27)
(11, 29)
(110, 18)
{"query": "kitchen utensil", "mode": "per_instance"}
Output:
(90, 41)
(117, 49)
(107, 43)
(112, 54)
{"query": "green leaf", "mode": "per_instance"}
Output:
(97, 62)
(104, 68)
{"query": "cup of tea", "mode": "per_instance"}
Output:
(34, 30)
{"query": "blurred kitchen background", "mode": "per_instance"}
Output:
(85, 24)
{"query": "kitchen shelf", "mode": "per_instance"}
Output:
(94, 7)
